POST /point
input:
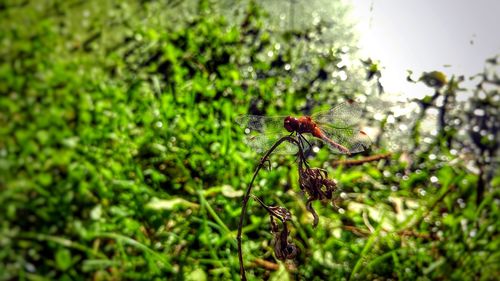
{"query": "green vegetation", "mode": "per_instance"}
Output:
(119, 157)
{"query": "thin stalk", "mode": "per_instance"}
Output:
(368, 246)
(247, 196)
(59, 240)
(362, 160)
(213, 213)
(136, 244)
(212, 252)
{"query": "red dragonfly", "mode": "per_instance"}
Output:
(337, 128)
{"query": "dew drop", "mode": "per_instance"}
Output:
(342, 75)
(479, 112)
(30, 267)
(379, 116)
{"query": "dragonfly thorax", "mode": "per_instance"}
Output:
(300, 125)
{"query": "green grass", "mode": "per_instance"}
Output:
(119, 158)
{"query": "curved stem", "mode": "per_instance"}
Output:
(247, 196)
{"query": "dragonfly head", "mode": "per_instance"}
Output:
(291, 123)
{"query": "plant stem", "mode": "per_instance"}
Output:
(247, 196)
(362, 160)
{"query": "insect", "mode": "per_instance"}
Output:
(337, 128)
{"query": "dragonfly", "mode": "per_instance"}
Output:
(337, 128)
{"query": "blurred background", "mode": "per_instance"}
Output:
(120, 158)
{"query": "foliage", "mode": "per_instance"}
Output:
(119, 158)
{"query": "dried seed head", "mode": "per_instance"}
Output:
(312, 211)
(317, 185)
(277, 211)
(282, 248)
(282, 213)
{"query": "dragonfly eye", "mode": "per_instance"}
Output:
(288, 124)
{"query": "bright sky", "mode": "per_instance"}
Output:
(453, 36)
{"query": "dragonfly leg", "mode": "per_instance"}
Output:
(302, 138)
(299, 144)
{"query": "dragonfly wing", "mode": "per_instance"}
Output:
(343, 115)
(348, 139)
(262, 124)
(262, 132)
(261, 143)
